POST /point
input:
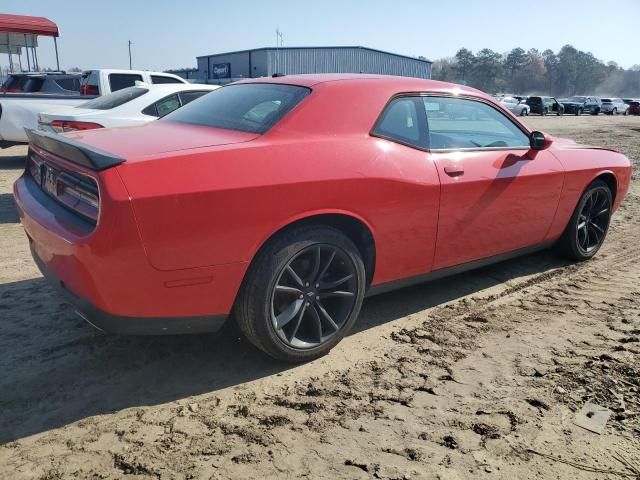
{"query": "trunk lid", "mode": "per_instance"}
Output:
(157, 137)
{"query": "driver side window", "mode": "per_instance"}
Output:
(458, 123)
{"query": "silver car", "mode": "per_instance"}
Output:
(513, 104)
(613, 106)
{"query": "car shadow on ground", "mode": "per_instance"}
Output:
(12, 162)
(8, 212)
(56, 369)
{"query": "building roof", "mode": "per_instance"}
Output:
(316, 48)
(29, 25)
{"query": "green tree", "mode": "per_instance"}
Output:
(465, 60)
(487, 70)
(513, 64)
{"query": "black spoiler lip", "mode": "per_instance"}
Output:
(73, 151)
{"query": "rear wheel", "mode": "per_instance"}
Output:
(615, 111)
(589, 223)
(302, 293)
(523, 112)
(579, 112)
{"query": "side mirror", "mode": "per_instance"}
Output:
(537, 140)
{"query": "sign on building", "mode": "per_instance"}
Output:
(221, 70)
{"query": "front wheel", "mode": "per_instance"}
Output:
(302, 293)
(589, 223)
(579, 112)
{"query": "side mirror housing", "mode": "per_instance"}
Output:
(537, 140)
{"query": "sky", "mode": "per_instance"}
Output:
(169, 34)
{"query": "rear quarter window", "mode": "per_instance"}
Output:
(163, 79)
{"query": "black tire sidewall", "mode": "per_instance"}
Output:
(262, 279)
(570, 236)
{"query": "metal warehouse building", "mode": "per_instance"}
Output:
(260, 62)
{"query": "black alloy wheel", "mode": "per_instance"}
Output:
(302, 293)
(314, 296)
(593, 220)
(589, 223)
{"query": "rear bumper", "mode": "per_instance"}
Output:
(110, 323)
(104, 272)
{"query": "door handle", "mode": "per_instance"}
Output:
(454, 170)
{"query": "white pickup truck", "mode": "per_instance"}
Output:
(20, 110)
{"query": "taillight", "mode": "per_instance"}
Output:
(78, 194)
(70, 126)
(75, 191)
(89, 90)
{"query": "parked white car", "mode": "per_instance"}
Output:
(613, 106)
(20, 110)
(127, 107)
(513, 104)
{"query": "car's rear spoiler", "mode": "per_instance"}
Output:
(73, 151)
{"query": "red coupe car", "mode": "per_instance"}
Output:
(286, 201)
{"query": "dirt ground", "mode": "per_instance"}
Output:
(476, 376)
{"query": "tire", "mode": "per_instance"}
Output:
(595, 112)
(523, 112)
(270, 293)
(579, 112)
(560, 113)
(545, 111)
(581, 240)
(614, 112)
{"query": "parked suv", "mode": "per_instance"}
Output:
(634, 107)
(581, 104)
(58, 83)
(545, 105)
(613, 106)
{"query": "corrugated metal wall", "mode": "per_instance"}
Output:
(344, 60)
(266, 62)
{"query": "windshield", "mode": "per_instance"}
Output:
(248, 107)
(578, 99)
(115, 99)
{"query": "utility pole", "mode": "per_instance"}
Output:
(279, 43)
(130, 43)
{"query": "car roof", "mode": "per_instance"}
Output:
(399, 83)
(177, 87)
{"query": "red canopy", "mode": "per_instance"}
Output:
(29, 25)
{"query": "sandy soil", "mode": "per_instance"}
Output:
(479, 375)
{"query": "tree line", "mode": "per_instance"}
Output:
(568, 72)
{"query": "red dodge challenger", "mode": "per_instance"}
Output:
(286, 201)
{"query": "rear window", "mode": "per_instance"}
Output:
(112, 100)
(606, 100)
(33, 84)
(15, 82)
(118, 81)
(250, 107)
(163, 79)
(72, 84)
